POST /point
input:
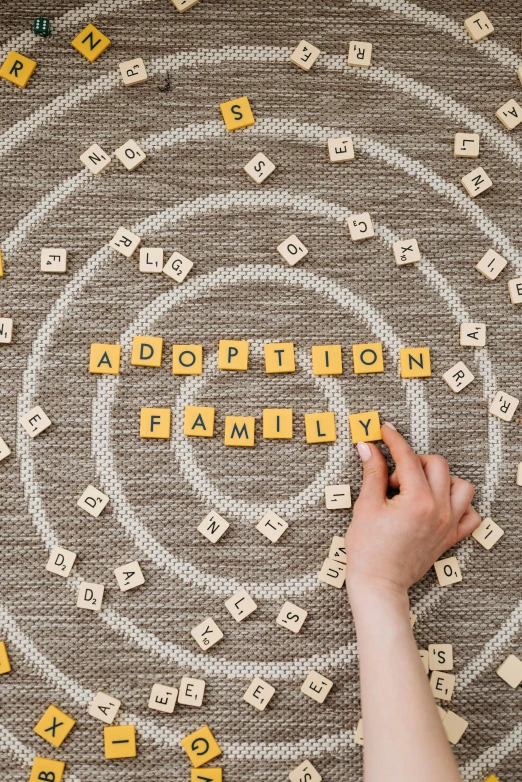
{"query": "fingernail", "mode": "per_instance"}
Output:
(365, 452)
(387, 423)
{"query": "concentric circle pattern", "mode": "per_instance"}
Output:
(427, 81)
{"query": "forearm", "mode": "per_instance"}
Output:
(403, 736)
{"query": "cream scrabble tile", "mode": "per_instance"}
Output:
(129, 576)
(510, 114)
(201, 746)
(54, 726)
(35, 421)
(133, 71)
(130, 155)
(191, 691)
(60, 561)
(291, 616)
(306, 772)
(259, 168)
(503, 406)
(237, 113)
(491, 264)
(488, 533)
(177, 267)
(415, 362)
(458, 377)
(45, 768)
(511, 671)
(442, 685)
(466, 145)
(17, 69)
(279, 357)
(53, 260)
(213, 526)
(332, 573)
(519, 473)
(360, 227)
(90, 42)
(5, 451)
(413, 620)
(454, 726)
(476, 182)
(93, 501)
(340, 149)
(146, 351)
(448, 571)
(206, 634)
(440, 657)
(425, 659)
(272, 526)
(316, 686)
(515, 290)
(320, 427)
(90, 596)
(259, 694)
(441, 712)
(240, 605)
(337, 496)
(184, 5)
(119, 741)
(473, 335)
(337, 551)
(104, 707)
(406, 251)
(163, 698)
(5, 663)
(125, 242)
(292, 250)
(360, 54)
(478, 26)
(151, 260)
(95, 159)
(359, 735)
(6, 330)
(304, 55)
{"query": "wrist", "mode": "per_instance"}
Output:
(364, 590)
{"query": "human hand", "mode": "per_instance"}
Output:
(392, 543)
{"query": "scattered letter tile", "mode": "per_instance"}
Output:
(440, 657)
(90, 596)
(201, 746)
(442, 685)
(306, 772)
(129, 576)
(125, 242)
(488, 533)
(466, 145)
(177, 267)
(478, 26)
(130, 154)
(337, 551)
(511, 671)
(151, 260)
(515, 290)
(316, 686)
(476, 182)
(491, 264)
(292, 250)
(259, 694)
(133, 71)
(213, 526)
(6, 330)
(448, 571)
(504, 406)
(17, 69)
(458, 377)
(93, 501)
(191, 691)
(44, 768)
(53, 260)
(163, 698)
(55, 726)
(360, 226)
(272, 526)
(35, 421)
(206, 634)
(360, 54)
(406, 251)
(454, 726)
(240, 605)
(340, 149)
(90, 42)
(5, 664)
(60, 561)
(332, 573)
(305, 55)
(95, 159)
(104, 707)
(237, 113)
(510, 114)
(473, 335)
(119, 741)
(259, 168)
(337, 496)
(291, 616)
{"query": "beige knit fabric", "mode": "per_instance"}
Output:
(427, 81)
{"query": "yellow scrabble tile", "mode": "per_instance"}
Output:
(206, 775)
(320, 427)
(240, 430)
(365, 427)
(367, 358)
(279, 357)
(277, 423)
(199, 421)
(155, 422)
(415, 362)
(327, 360)
(237, 113)
(147, 351)
(1, 264)
(201, 746)
(45, 769)
(492, 778)
(55, 726)
(187, 359)
(105, 359)
(91, 42)
(119, 741)
(17, 69)
(233, 354)
(5, 665)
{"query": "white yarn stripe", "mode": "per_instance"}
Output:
(60, 105)
(22, 754)
(27, 41)
(475, 770)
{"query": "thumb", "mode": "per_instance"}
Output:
(375, 475)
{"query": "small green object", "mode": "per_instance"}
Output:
(42, 26)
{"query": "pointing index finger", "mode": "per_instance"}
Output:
(408, 467)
